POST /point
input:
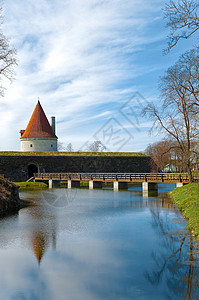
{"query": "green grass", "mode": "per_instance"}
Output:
(187, 200)
(30, 185)
(19, 153)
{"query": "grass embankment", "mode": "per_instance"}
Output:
(30, 185)
(52, 153)
(187, 200)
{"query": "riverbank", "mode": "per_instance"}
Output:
(187, 200)
(9, 197)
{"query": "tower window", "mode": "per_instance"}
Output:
(30, 145)
(51, 145)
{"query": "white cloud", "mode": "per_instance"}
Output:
(77, 56)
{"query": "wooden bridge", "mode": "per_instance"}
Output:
(120, 180)
(121, 177)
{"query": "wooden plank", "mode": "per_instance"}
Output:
(122, 177)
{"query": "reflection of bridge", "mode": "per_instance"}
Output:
(120, 180)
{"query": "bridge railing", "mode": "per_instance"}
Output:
(125, 177)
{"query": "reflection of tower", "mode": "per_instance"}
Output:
(39, 244)
(41, 232)
(41, 240)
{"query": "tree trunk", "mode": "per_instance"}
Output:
(189, 170)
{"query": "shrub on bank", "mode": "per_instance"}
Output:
(9, 197)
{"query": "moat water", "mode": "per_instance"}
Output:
(82, 244)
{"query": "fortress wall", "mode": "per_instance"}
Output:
(15, 168)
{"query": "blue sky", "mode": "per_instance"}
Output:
(93, 64)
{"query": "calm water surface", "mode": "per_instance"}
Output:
(85, 244)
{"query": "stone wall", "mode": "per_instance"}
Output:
(15, 168)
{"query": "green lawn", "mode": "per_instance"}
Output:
(187, 200)
(19, 153)
(30, 185)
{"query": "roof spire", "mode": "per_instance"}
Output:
(38, 126)
(38, 101)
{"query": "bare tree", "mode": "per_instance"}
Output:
(96, 146)
(60, 146)
(178, 115)
(160, 153)
(184, 75)
(7, 60)
(183, 20)
(167, 155)
(187, 71)
(69, 148)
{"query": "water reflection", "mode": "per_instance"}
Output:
(99, 245)
(39, 244)
(40, 241)
(41, 230)
(35, 226)
(178, 261)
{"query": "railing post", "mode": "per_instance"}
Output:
(118, 177)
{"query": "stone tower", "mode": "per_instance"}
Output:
(39, 135)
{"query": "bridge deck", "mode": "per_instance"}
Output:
(120, 177)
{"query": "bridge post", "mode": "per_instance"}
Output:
(179, 184)
(149, 186)
(145, 194)
(117, 185)
(50, 184)
(72, 183)
(53, 183)
(94, 184)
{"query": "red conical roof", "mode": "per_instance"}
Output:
(38, 126)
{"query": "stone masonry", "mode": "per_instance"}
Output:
(15, 168)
